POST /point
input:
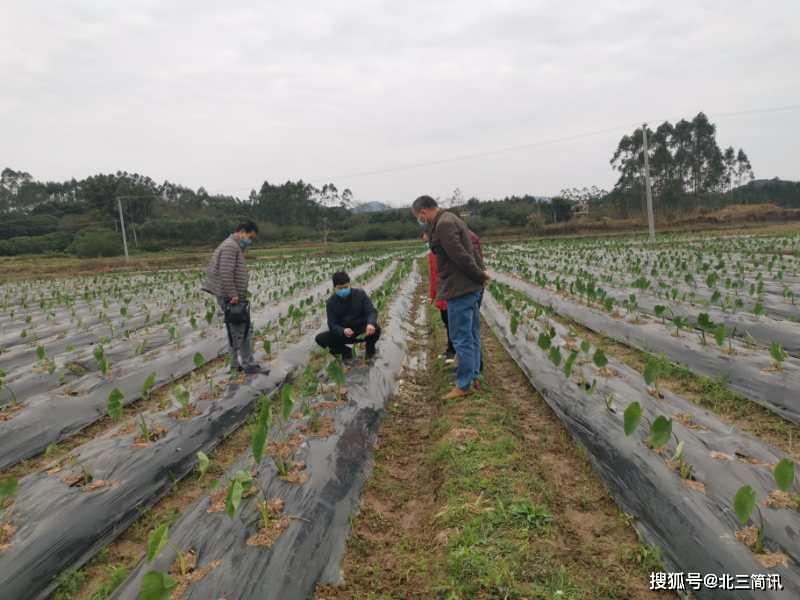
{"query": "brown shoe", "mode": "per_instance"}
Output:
(456, 392)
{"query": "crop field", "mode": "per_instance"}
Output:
(638, 412)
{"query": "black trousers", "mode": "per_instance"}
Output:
(450, 347)
(339, 344)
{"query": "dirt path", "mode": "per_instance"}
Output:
(487, 497)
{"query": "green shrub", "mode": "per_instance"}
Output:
(90, 244)
(38, 244)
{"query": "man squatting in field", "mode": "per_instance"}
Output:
(461, 276)
(350, 314)
(227, 281)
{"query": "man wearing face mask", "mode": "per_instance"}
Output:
(461, 277)
(227, 281)
(350, 316)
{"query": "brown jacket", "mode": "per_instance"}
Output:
(457, 262)
(227, 272)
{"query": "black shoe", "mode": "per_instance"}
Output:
(371, 353)
(347, 354)
(255, 369)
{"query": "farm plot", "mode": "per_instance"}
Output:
(769, 376)
(278, 521)
(64, 514)
(712, 498)
(691, 481)
(30, 424)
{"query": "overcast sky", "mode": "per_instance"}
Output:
(226, 95)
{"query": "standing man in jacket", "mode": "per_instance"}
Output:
(461, 280)
(227, 281)
(350, 314)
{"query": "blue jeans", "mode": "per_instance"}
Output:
(464, 325)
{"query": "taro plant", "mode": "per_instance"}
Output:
(660, 310)
(784, 474)
(778, 355)
(685, 469)
(631, 418)
(8, 487)
(743, 504)
(570, 363)
(260, 431)
(155, 584)
(336, 373)
(267, 345)
(600, 359)
(148, 385)
(114, 405)
(706, 325)
(679, 322)
(203, 463)
(4, 385)
(100, 359)
(555, 355)
(182, 397)
(241, 482)
(544, 341)
(654, 368)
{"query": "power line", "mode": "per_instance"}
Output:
(536, 144)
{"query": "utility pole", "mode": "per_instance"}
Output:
(122, 224)
(648, 192)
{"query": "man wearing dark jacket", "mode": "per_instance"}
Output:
(461, 277)
(227, 280)
(350, 314)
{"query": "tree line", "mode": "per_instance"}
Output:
(687, 166)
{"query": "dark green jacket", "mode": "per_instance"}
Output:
(457, 263)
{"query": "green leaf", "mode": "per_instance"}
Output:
(335, 372)
(555, 355)
(258, 442)
(287, 401)
(705, 322)
(660, 431)
(631, 417)
(678, 451)
(743, 503)
(720, 333)
(514, 324)
(585, 346)
(203, 462)
(234, 498)
(777, 352)
(652, 369)
(784, 474)
(114, 405)
(40, 353)
(181, 395)
(570, 363)
(156, 541)
(199, 361)
(157, 586)
(148, 384)
(544, 341)
(8, 487)
(600, 359)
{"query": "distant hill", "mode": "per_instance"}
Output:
(782, 192)
(368, 207)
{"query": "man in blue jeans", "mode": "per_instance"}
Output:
(462, 277)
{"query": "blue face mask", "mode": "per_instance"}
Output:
(244, 243)
(343, 293)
